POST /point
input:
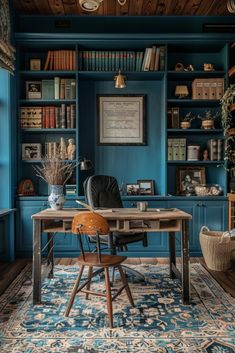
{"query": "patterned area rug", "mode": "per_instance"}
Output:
(159, 322)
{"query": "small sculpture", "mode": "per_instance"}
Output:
(71, 149)
(208, 67)
(63, 153)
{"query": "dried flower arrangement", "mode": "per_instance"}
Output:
(55, 171)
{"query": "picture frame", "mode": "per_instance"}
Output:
(132, 189)
(31, 151)
(35, 64)
(146, 187)
(33, 89)
(187, 178)
(121, 119)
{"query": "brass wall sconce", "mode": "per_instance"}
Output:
(181, 91)
(120, 80)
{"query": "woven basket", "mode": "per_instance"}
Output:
(218, 250)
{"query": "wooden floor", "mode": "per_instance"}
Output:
(8, 271)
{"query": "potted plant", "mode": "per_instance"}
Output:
(186, 122)
(55, 172)
(208, 120)
(227, 105)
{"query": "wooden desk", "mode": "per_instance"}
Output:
(7, 217)
(122, 220)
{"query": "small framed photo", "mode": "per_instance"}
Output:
(35, 64)
(31, 151)
(146, 187)
(189, 177)
(132, 189)
(33, 90)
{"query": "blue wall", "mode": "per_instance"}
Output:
(145, 161)
(5, 141)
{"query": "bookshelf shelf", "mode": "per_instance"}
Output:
(194, 131)
(194, 102)
(49, 131)
(42, 73)
(46, 101)
(196, 162)
(134, 76)
(189, 75)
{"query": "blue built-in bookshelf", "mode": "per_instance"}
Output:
(91, 59)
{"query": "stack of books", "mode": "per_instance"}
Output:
(60, 60)
(215, 149)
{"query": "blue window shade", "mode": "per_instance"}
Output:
(5, 141)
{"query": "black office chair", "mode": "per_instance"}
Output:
(102, 191)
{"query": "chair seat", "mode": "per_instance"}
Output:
(91, 259)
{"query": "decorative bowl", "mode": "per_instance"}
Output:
(208, 190)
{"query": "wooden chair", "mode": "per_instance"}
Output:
(91, 223)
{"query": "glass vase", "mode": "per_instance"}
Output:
(56, 197)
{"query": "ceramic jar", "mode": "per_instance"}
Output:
(56, 198)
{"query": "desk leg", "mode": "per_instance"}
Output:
(185, 262)
(36, 261)
(50, 256)
(172, 253)
(111, 244)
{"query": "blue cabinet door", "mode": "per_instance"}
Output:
(66, 245)
(24, 229)
(212, 214)
(191, 208)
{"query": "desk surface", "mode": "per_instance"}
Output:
(115, 213)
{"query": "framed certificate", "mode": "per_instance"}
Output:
(121, 120)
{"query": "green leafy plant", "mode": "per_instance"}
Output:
(188, 117)
(227, 123)
(226, 101)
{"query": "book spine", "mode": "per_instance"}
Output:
(170, 150)
(162, 58)
(212, 144)
(175, 148)
(67, 88)
(63, 116)
(73, 116)
(57, 88)
(62, 88)
(68, 117)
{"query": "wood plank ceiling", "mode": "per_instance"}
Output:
(131, 8)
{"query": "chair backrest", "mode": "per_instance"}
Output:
(102, 191)
(90, 223)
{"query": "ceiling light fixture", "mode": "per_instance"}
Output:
(231, 6)
(93, 5)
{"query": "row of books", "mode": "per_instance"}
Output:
(60, 60)
(173, 115)
(153, 59)
(179, 150)
(207, 88)
(49, 117)
(59, 88)
(215, 149)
